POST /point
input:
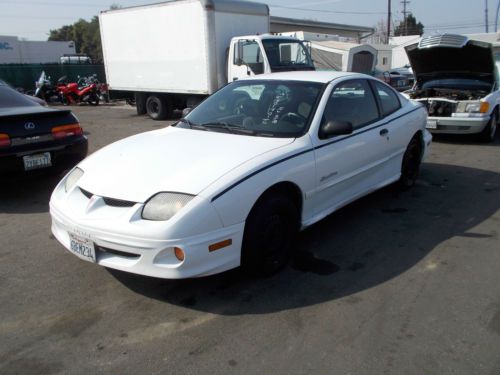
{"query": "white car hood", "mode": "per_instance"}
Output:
(170, 159)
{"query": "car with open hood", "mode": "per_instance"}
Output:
(457, 81)
(233, 182)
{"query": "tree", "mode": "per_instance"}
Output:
(85, 34)
(410, 27)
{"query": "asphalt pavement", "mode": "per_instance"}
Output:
(395, 283)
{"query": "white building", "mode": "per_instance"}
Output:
(19, 51)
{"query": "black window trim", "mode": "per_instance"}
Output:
(373, 85)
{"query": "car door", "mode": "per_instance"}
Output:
(349, 166)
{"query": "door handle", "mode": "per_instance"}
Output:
(384, 132)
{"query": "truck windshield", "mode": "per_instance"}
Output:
(267, 108)
(287, 54)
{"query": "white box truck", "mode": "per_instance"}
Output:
(173, 54)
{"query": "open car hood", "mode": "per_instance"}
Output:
(448, 56)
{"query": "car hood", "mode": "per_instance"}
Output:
(170, 159)
(441, 57)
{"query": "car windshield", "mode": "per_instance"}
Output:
(269, 108)
(457, 84)
(284, 54)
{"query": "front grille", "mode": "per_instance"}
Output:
(444, 40)
(88, 194)
(439, 108)
(109, 201)
(117, 202)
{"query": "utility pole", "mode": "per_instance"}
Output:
(486, 15)
(404, 2)
(388, 21)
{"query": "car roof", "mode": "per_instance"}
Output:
(307, 76)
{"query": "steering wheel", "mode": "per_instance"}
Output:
(293, 118)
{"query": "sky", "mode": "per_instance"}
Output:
(32, 19)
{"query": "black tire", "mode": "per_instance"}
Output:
(410, 167)
(140, 103)
(489, 132)
(93, 99)
(158, 107)
(270, 231)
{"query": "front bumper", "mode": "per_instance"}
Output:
(155, 256)
(457, 125)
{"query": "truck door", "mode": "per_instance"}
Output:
(245, 59)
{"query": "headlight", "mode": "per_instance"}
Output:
(72, 178)
(163, 206)
(473, 107)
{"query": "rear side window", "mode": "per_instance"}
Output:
(352, 101)
(389, 101)
(11, 98)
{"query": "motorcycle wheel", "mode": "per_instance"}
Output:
(93, 99)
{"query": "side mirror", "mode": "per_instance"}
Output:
(333, 128)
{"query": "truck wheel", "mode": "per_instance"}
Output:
(269, 235)
(158, 107)
(489, 132)
(140, 103)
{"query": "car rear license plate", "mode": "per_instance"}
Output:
(37, 161)
(82, 247)
(432, 124)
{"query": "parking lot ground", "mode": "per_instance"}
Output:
(396, 283)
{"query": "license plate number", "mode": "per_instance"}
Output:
(432, 124)
(37, 161)
(82, 247)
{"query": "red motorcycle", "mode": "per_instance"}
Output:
(84, 91)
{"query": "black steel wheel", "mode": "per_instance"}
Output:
(410, 168)
(269, 236)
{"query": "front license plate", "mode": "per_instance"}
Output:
(432, 124)
(37, 161)
(82, 247)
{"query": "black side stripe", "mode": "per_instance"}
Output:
(257, 172)
(302, 153)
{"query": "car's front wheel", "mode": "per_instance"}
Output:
(489, 132)
(410, 168)
(270, 232)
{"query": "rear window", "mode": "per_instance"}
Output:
(11, 98)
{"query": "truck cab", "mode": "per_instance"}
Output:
(257, 54)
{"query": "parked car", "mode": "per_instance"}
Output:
(240, 175)
(30, 97)
(395, 79)
(33, 137)
(457, 82)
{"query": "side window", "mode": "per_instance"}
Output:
(388, 99)
(248, 52)
(351, 101)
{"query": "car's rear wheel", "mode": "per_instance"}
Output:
(489, 132)
(270, 232)
(410, 167)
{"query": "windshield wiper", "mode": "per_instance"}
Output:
(231, 128)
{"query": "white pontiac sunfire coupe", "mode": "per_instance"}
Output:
(240, 175)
